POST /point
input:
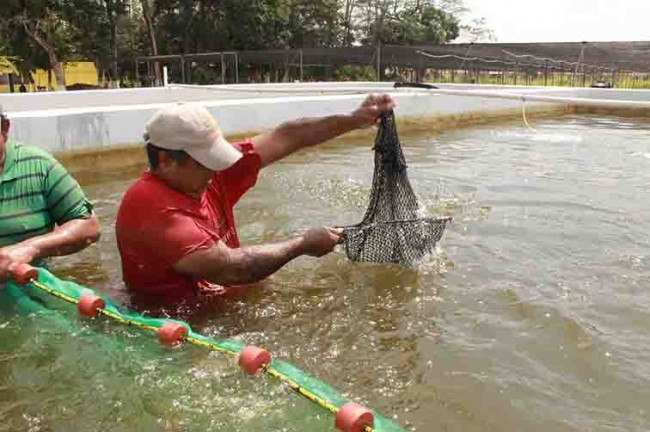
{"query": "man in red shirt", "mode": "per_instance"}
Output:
(175, 227)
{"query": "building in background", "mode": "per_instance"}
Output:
(78, 75)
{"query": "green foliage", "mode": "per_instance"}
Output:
(43, 16)
(73, 29)
(408, 22)
(205, 25)
(206, 74)
(313, 23)
(99, 30)
(427, 25)
(356, 73)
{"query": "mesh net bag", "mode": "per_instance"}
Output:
(392, 230)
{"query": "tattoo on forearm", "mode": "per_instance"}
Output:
(254, 263)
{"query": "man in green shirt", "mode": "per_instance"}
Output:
(43, 211)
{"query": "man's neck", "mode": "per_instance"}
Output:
(177, 186)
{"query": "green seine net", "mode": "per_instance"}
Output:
(293, 415)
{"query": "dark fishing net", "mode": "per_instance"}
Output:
(392, 230)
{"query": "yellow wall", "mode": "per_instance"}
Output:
(6, 67)
(75, 73)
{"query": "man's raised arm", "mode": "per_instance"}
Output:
(294, 135)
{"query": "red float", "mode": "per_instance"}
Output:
(171, 333)
(90, 304)
(253, 359)
(353, 417)
(24, 273)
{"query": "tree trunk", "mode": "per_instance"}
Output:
(148, 19)
(347, 22)
(55, 64)
(112, 19)
(188, 13)
(381, 21)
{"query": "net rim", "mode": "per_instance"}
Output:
(437, 219)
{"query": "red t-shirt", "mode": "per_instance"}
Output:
(157, 226)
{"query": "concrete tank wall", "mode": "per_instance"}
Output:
(92, 120)
(17, 102)
(75, 129)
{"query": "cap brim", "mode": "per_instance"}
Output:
(219, 156)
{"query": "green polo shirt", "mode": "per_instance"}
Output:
(36, 194)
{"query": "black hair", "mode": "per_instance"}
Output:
(153, 152)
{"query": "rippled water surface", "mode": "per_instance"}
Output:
(533, 316)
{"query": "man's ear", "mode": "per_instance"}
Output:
(4, 125)
(164, 160)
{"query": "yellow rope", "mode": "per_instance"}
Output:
(100, 310)
(54, 293)
(126, 321)
(306, 393)
(209, 345)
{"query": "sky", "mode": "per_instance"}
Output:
(564, 20)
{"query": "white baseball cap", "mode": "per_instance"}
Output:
(191, 127)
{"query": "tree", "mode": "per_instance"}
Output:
(89, 32)
(47, 33)
(407, 22)
(348, 8)
(475, 30)
(478, 31)
(114, 10)
(149, 17)
(313, 23)
(427, 25)
(39, 21)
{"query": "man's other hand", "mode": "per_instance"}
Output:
(372, 107)
(11, 256)
(321, 241)
(19, 253)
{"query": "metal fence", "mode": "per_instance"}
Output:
(622, 65)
